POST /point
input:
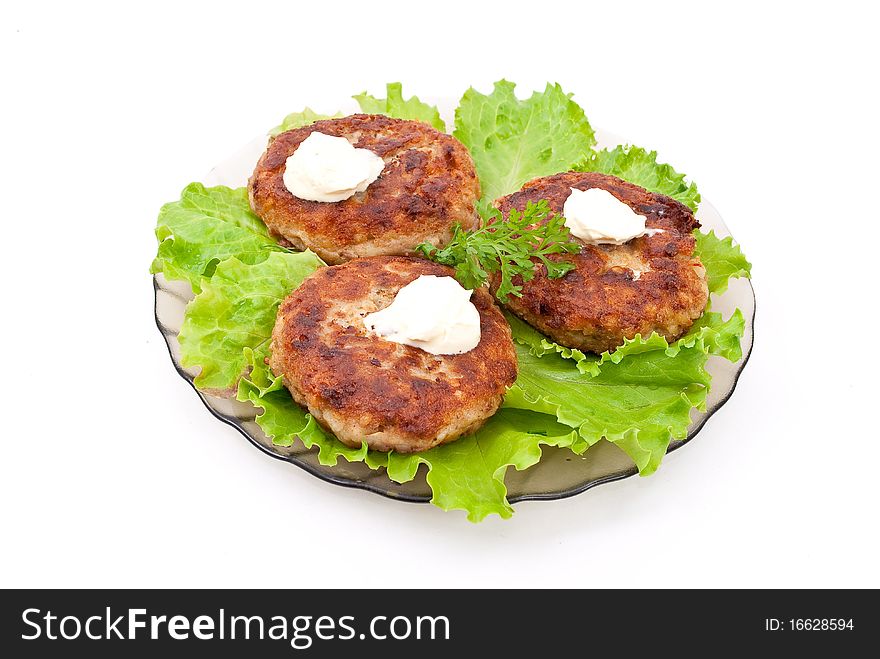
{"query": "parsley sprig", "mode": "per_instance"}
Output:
(507, 247)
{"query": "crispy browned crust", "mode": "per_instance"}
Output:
(428, 185)
(600, 303)
(362, 387)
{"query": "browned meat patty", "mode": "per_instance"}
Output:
(428, 185)
(604, 300)
(362, 387)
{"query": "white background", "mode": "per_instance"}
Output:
(113, 474)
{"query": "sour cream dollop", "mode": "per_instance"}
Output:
(432, 313)
(597, 216)
(326, 168)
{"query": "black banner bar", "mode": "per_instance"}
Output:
(317, 623)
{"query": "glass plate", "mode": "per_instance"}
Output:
(559, 474)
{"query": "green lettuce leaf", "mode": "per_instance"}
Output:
(299, 119)
(710, 333)
(714, 336)
(722, 259)
(206, 226)
(235, 311)
(636, 165)
(638, 397)
(467, 474)
(514, 141)
(539, 345)
(395, 106)
(282, 420)
(640, 404)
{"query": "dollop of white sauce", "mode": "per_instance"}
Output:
(597, 216)
(432, 313)
(326, 168)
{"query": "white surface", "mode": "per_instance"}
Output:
(113, 474)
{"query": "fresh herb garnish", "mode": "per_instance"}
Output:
(507, 247)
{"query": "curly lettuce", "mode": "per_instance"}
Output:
(282, 420)
(467, 474)
(513, 141)
(235, 312)
(394, 105)
(204, 227)
(710, 333)
(722, 259)
(300, 119)
(639, 166)
(639, 397)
